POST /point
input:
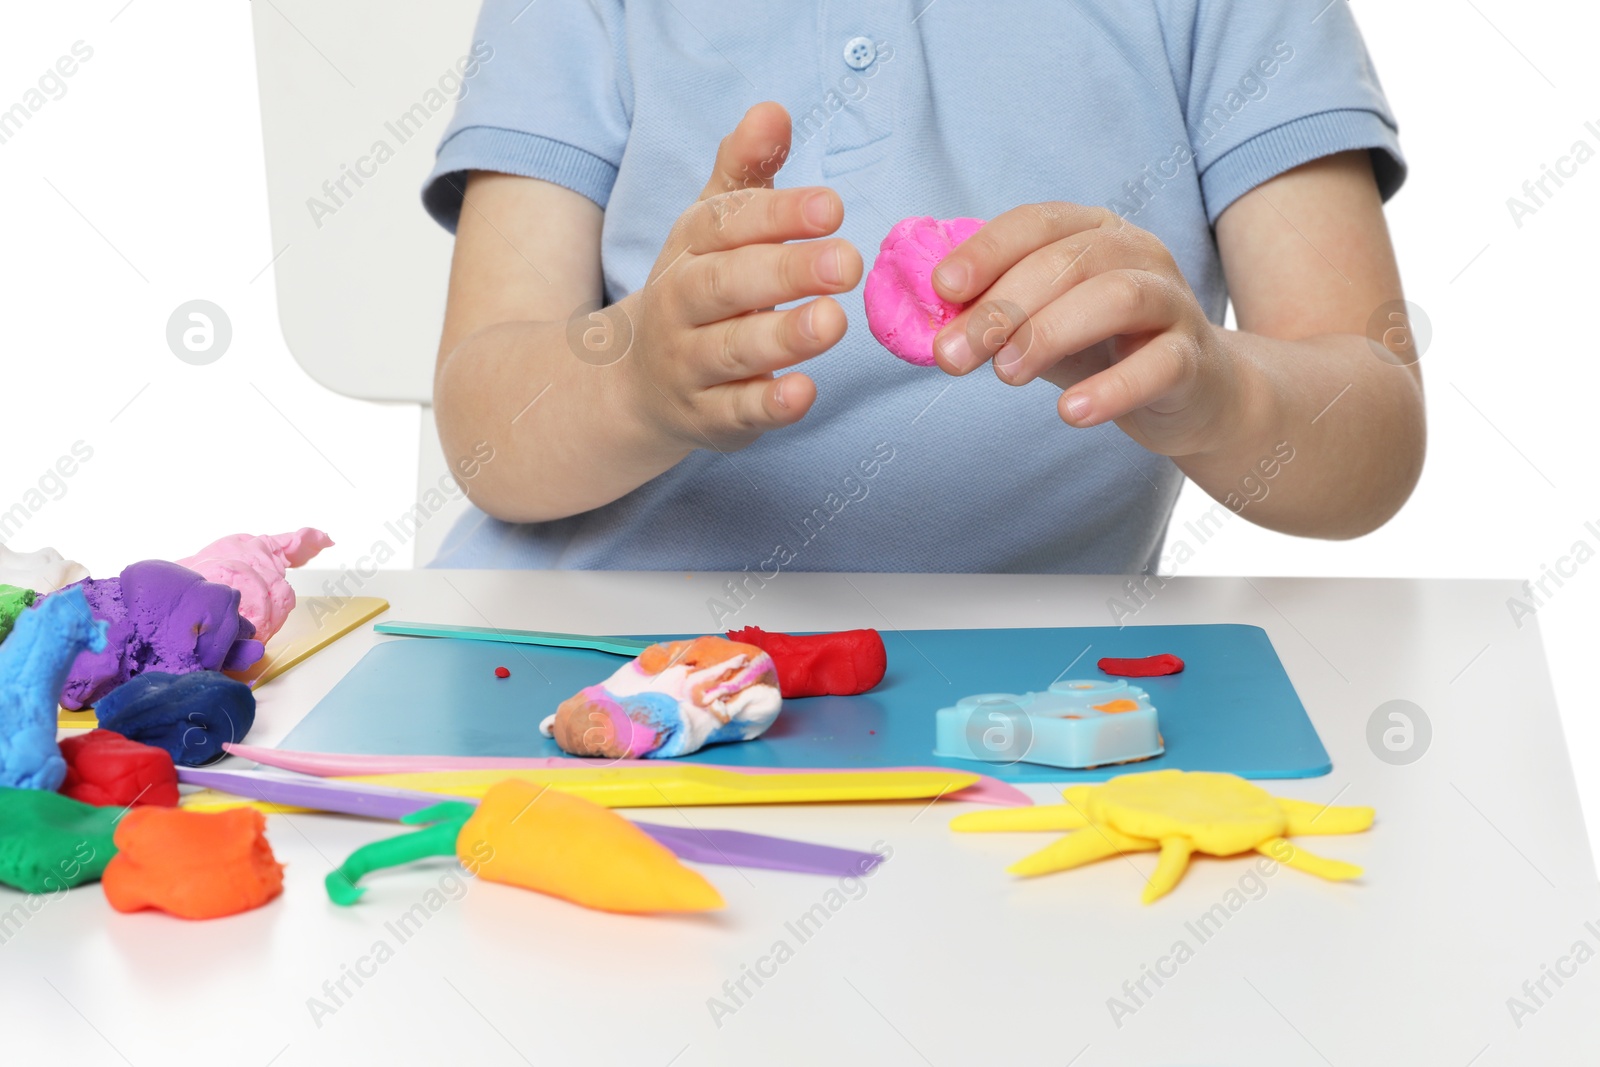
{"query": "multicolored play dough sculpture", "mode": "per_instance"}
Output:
(162, 617)
(107, 769)
(903, 311)
(670, 701)
(192, 864)
(34, 665)
(43, 571)
(538, 838)
(49, 842)
(1176, 813)
(814, 665)
(255, 565)
(13, 602)
(1074, 724)
(189, 716)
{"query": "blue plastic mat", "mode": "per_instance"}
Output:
(1232, 709)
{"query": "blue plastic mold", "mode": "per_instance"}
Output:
(1074, 724)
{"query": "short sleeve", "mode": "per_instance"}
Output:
(547, 100)
(1274, 84)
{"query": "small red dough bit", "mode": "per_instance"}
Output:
(501, 672)
(1147, 667)
(813, 665)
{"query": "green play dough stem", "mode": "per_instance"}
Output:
(49, 842)
(437, 840)
(13, 601)
(455, 811)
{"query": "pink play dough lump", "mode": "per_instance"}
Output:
(255, 565)
(903, 311)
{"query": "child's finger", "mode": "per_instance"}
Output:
(976, 263)
(763, 342)
(753, 153)
(761, 216)
(756, 277)
(1117, 303)
(1033, 282)
(1157, 374)
(751, 408)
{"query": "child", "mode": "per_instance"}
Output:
(671, 372)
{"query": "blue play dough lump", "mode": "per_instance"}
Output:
(191, 715)
(34, 662)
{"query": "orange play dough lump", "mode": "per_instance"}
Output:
(552, 842)
(195, 865)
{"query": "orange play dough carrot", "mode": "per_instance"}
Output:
(194, 865)
(552, 842)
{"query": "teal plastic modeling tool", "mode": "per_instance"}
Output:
(616, 646)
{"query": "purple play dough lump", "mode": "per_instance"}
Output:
(162, 617)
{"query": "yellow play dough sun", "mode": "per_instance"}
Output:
(1176, 813)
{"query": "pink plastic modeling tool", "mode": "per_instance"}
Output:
(335, 764)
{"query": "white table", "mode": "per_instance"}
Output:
(1478, 875)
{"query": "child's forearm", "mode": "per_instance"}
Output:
(565, 434)
(1327, 438)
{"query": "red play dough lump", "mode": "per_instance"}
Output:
(814, 665)
(195, 865)
(108, 770)
(1146, 667)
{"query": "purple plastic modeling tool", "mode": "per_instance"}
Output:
(724, 848)
(735, 848)
(302, 791)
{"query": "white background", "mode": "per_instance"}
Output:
(142, 188)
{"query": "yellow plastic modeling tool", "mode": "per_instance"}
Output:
(216, 800)
(315, 623)
(686, 785)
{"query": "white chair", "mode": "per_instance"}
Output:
(361, 270)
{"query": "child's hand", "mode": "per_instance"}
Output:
(705, 343)
(1086, 300)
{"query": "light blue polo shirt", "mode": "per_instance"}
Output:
(1167, 111)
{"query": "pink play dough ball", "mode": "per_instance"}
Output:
(903, 311)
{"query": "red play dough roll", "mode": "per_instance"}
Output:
(814, 665)
(107, 769)
(1145, 667)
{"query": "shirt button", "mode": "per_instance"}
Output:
(859, 52)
